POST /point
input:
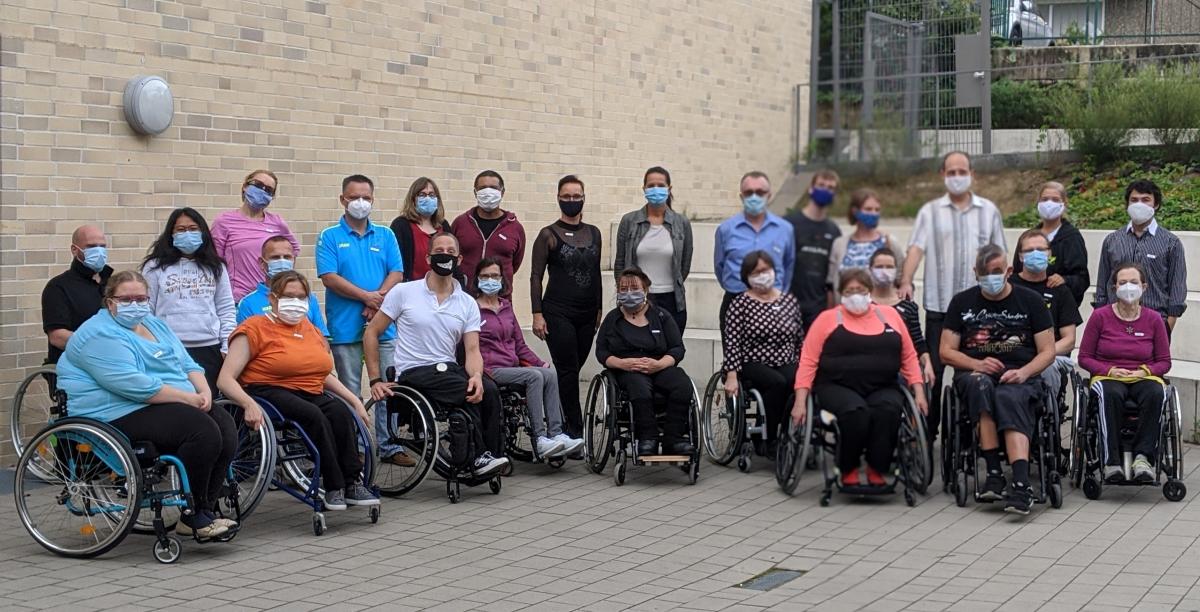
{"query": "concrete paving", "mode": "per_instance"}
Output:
(571, 540)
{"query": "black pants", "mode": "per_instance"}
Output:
(211, 359)
(204, 441)
(448, 389)
(933, 336)
(328, 423)
(870, 424)
(672, 382)
(569, 338)
(667, 302)
(774, 384)
(725, 302)
(1012, 406)
(1149, 397)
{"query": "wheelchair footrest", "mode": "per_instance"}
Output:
(887, 489)
(664, 458)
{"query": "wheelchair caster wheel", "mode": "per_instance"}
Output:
(744, 464)
(453, 491)
(1091, 487)
(1055, 493)
(908, 498)
(693, 472)
(619, 469)
(374, 514)
(1174, 490)
(168, 550)
(508, 468)
(824, 500)
(556, 462)
(494, 485)
(960, 489)
(318, 524)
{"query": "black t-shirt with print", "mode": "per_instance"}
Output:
(1059, 302)
(814, 239)
(1003, 329)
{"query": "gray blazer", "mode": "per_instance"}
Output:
(634, 226)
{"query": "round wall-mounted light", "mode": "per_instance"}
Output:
(148, 104)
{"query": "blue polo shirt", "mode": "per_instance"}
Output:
(736, 238)
(256, 303)
(363, 260)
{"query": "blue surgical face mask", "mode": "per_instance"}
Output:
(188, 242)
(868, 220)
(275, 266)
(1036, 261)
(427, 205)
(992, 284)
(490, 286)
(132, 314)
(754, 204)
(95, 258)
(657, 196)
(257, 197)
(821, 197)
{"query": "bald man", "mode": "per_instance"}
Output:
(74, 296)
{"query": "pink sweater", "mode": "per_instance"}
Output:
(1109, 342)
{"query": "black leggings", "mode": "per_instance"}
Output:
(211, 359)
(672, 382)
(774, 384)
(328, 423)
(204, 441)
(569, 339)
(870, 423)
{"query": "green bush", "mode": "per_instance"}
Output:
(1024, 105)
(1099, 118)
(1172, 106)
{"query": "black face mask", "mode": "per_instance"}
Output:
(444, 264)
(570, 208)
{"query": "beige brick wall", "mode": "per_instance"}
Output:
(315, 90)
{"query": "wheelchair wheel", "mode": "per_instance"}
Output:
(93, 494)
(1170, 445)
(949, 432)
(913, 448)
(793, 453)
(518, 435)
(722, 422)
(33, 408)
(1080, 421)
(253, 464)
(300, 471)
(598, 421)
(414, 427)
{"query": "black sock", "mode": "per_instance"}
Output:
(1020, 469)
(992, 459)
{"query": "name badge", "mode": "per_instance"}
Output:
(376, 249)
(1138, 334)
(503, 237)
(158, 354)
(888, 330)
(564, 233)
(656, 331)
(1151, 256)
(298, 335)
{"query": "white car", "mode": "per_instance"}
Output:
(1025, 26)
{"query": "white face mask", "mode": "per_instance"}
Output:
(763, 280)
(1129, 292)
(291, 310)
(1140, 212)
(857, 303)
(359, 209)
(958, 185)
(1050, 210)
(488, 198)
(883, 276)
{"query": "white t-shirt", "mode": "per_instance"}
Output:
(428, 332)
(655, 255)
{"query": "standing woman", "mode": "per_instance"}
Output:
(189, 290)
(854, 250)
(238, 235)
(1070, 263)
(567, 313)
(421, 216)
(884, 270)
(658, 240)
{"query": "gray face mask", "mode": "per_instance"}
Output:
(631, 300)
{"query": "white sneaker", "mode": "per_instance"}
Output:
(570, 445)
(487, 464)
(1143, 470)
(549, 448)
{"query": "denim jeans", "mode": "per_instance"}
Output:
(348, 361)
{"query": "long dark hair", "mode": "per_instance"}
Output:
(163, 252)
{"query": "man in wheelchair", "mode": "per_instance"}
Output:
(432, 315)
(998, 337)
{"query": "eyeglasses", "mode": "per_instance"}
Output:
(129, 300)
(267, 188)
(489, 277)
(757, 192)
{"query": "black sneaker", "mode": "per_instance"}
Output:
(993, 488)
(1019, 499)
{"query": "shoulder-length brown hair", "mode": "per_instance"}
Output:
(409, 209)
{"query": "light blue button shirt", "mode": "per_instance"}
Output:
(362, 259)
(736, 237)
(256, 303)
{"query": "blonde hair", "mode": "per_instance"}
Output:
(1056, 186)
(246, 181)
(122, 277)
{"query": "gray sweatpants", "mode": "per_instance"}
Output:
(541, 395)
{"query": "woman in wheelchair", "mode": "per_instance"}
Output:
(641, 344)
(762, 339)
(1126, 349)
(125, 367)
(509, 361)
(282, 358)
(851, 360)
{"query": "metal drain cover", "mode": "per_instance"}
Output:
(770, 579)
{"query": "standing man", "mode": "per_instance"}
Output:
(947, 235)
(815, 234)
(74, 296)
(1144, 242)
(358, 261)
(486, 230)
(754, 229)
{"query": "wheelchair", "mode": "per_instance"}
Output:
(422, 429)
(818, 438)
(300, 463)
(609, 431)
(961, 456)
(33, 407)
(518, 431)
(1071, 399)
(80, 486)
(1088, 440)
(734, 426)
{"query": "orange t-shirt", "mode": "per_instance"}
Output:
(288, 356)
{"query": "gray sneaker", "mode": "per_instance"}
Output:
(1143, 470)
(358, 495)
(335, 500)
